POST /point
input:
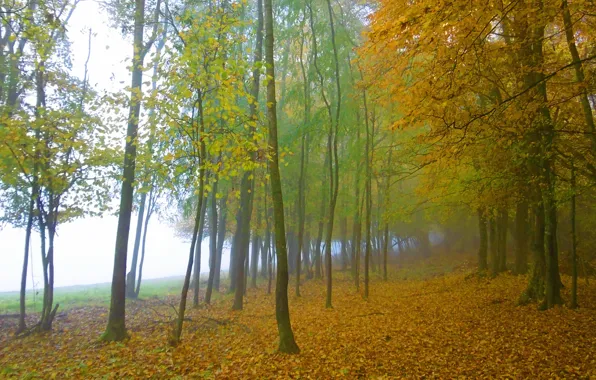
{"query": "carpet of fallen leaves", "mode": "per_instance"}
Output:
(448, 326)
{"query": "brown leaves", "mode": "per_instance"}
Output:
(444, 327)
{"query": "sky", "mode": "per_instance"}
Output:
(84, 249)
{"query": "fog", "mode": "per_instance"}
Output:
(84, 253)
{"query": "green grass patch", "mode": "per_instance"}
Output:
(95, 295)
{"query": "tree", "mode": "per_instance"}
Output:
(287, 344)
(116, 327)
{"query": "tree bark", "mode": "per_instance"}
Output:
(132, 274)
(221, 237)
(493, 242)
(573, 304)
(144, 240)
(502, 222)
(212, 242)
(287, 344)
(246, 196)
(116, 327)
(174, 338)
(521, 237)
(368, 196)
(23, 293)
(483, 249)
(198, 252)
(254, 261)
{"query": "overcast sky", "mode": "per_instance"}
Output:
(84, 252)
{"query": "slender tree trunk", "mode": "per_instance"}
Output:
(246, 198)
(265, 251)
(116, 327)
(502, 221)
(573, 303)
(198, 252)
(306, 254)
(318, 269)
(287, 344)
(49, 313)
(368, 196)
(304, 151)
(367, 255)
(334, 161)
(197, 230)
(321, 225)
(212, 241)
(254, 262)
(269, 249)
(246, 266)
(483, 248)
(151, 202)
(233, 256)
(23, 293)
(343, 226)
(144, 241)
(174, 338)
(386, 205)
(270, 269)
(493, 242)
(132, 274)
(44, 260)
(221, 237)
(521, 237)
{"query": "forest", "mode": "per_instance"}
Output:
(405, 188)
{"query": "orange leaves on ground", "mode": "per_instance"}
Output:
(444, 327)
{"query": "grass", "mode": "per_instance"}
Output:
(70, 297)
(89, 295)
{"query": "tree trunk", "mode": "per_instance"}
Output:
(23, 293)
(573, 304)
(521, 237)
(265, 252)
(386, 206)
(174, 338)
(221, 237)
(368, 195)
(212, 242)
(483, 249)
(493, 242)
(233, 256)
(535, 289)
(48, 316)
(254, 261)
(304, 151)
(245, 283)
(344, 242)
(144, 241)
(151, 203)
(246, 196)
(132, 274)
(306, 254)
(116, 327)
(334, 159)
(287, 344)
(502, 222)
(197, 260)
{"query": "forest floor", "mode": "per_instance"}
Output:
(443, 326)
